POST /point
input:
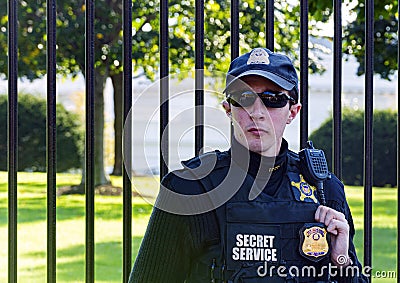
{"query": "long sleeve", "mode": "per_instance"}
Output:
(357, 276)
(172, 241)
(337, 200)
(164, 253)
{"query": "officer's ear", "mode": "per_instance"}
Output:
(293, 111)
(227, 108)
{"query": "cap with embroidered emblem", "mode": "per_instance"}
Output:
(263, 62)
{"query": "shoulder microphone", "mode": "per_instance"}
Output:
(315, 168)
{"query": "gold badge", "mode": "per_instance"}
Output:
(305, 189)
(314, 243)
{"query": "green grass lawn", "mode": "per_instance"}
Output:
(70, 231)
(384, 244)
(108, 229)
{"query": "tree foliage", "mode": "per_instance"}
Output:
(32, 135)
(145, 27)
(385, 37)
(354, 38)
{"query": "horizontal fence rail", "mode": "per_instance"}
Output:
(164, 64)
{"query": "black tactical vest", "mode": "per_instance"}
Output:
(263, 240)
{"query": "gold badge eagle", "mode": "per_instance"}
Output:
(306, 190)
(313, 241)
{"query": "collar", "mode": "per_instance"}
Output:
(262, 168)
(255, 161)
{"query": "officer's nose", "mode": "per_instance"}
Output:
(258, 110)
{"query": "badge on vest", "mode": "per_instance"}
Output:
(302, 190)
(314, 241)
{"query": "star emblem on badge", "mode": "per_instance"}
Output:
(305, 189)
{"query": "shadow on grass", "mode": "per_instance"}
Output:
(29, 210)
(380, 207)
(37, 187)
(384, 241)
(32, 210)
(71, 262)
(3, 186)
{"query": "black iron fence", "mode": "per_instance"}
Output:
(199, 116)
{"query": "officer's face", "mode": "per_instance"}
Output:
(257, 127)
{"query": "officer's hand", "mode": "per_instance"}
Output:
(337, 225)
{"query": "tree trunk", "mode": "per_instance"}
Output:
(100, 177)
(117, 81)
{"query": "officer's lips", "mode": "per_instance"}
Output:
(256, 131)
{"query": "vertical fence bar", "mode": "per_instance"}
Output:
(368, 118)
(89, 170)
(337, 89)
(234, 29)
(304, 72)
(398, 139)
(164, 88)
(269, 26)
(12, 143)
(234, 38)
(127, 144)
(199, 77)
(51, 141)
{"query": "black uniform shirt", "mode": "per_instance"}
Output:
(172, 241)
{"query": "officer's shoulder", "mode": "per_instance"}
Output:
(334, 188)
(293, 160)
(293, 156)
(186, 179)
(217, 158)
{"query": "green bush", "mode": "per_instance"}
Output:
(384, 146)
(32, 135)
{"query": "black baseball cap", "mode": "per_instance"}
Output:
(263, 62)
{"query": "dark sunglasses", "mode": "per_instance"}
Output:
(270, 99)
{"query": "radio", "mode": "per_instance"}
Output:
(315, 168)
